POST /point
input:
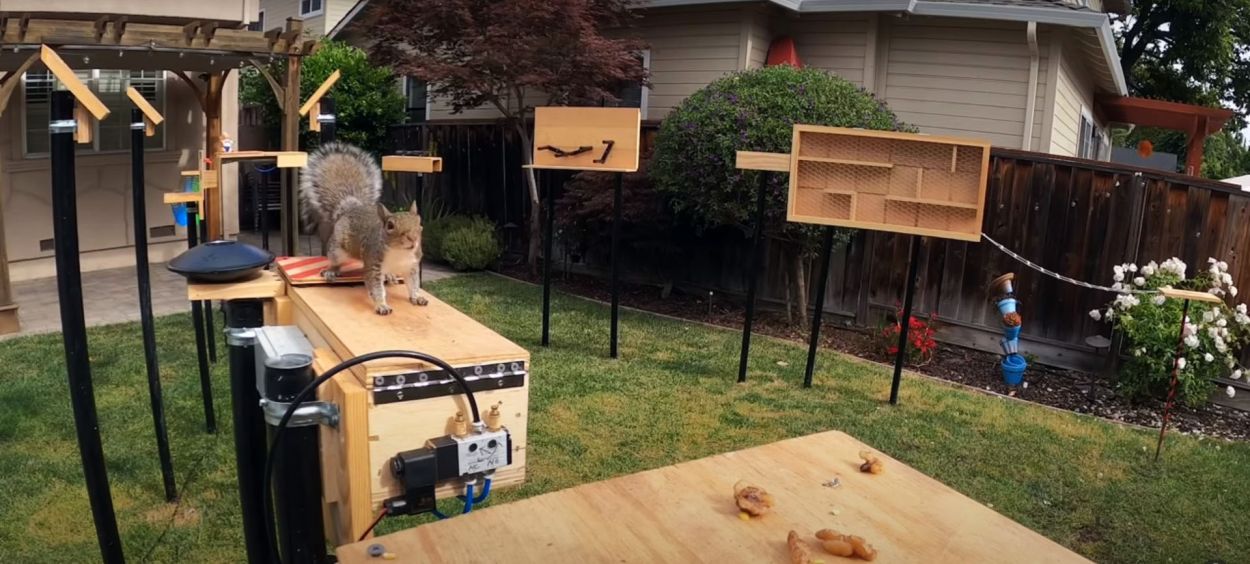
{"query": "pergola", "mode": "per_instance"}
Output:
(1198, 122)
(200, 53)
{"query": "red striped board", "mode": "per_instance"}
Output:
(306, 271)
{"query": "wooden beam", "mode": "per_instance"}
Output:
(314, 124)
(212, 146)
(140, 102)
(101, 25)
(67, 77)
(84, 33)
(279, 93)
(195, 87)
(290, 142)
(189, 32)
(1190, 295)
(11, 80)
(119, 29)
(82, 134)
(320, 92)
(752, 160)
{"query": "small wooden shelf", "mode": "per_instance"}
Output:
(928, 202)
(183, 197)
(846, 162)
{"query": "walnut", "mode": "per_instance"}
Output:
(752, 499)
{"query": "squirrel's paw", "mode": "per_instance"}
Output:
(419, 300)
(330, 275)
(391, 279)
(382, 309)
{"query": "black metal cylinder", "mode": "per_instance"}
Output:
(327, 119)
(757, 249)
(905, 319)
(139, 208)
(242, 317)
(616, 282)
(297, 468)
(826, 249)
(197, 319)
(74, 326)
(548, 244)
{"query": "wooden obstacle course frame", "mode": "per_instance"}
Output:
(151, 117)
(572, 129)
(313, 103)
(404, 163)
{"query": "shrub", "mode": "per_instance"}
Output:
(1213, 334)
(921, 344)
(472, 246)
(435, 231)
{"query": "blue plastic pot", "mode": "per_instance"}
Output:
(1010, 346)
(1007, 305)
(1013, 369)
(1011, 333)
(180, 215)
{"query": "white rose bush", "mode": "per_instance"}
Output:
(1213, 334)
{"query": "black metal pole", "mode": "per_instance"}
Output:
(616, 277)
(327, 120)
(547, 258)
(197, 319)
(242, 317)
(297, 493)
(826, 249)
(264, 208)
(140, 211)
(757, 248)
(74, 326)
(209, 332)
(904, 321)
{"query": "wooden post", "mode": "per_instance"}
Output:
(9, 322)
(1193, 152)
(212, 149)
(290, 142)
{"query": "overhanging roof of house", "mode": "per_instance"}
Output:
(1146, 112)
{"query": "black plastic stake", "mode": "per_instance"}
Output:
(826, 249)
(616, 277)
(757, 249)
(197, 319)
(139, 208)
(904, 321)
(327, 120)
(242, 317)
(74, 326)
(548, 241)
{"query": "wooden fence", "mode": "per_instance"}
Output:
(1077, 217)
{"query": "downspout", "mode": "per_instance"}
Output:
(1030, 103)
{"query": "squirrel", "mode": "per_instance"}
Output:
(341, 190)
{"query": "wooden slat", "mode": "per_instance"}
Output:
(847, 162)
(267, 285)
(401, 163)
(686, 513)
(754, 160)
(183, 197)
(1190, 295)
(319, 93)
(81, 92)
(140, 102)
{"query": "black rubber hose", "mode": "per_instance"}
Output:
(311, 387)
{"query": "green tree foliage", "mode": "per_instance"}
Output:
(366, 97)
(1195, 52)
(755, 111)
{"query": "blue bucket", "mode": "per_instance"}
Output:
(1007, 305)
(180, 215)
(1013, 369)
(1012, 333)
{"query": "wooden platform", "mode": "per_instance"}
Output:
(685, 513)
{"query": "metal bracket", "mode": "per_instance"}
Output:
(325, 118)
(63, 126)
(307, 414)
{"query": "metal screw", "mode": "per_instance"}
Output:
(376, 550)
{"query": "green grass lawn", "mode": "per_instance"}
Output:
(1087, 484)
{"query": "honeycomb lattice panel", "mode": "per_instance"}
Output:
(888, 181)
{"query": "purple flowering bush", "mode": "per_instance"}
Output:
(752, 111)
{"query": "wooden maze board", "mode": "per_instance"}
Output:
(887, 181)
(571, 129)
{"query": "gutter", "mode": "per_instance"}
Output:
(1030, 103)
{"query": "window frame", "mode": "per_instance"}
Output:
(643, 89)
(403, 90)
(321, 8)
(1086, 146)
(92, 84)
(259, 23)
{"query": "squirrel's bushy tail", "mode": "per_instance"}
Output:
(338, 175)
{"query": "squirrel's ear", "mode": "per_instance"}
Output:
(383, 213)
(413, 207)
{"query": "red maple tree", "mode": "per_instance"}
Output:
(511, 55)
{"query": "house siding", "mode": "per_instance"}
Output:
(837, 43)
(759, 37)
(1073, 91)
(277, 11)
(964, 78)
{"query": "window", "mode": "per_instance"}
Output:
(309, 7)
(112, 134)
(635, 95)
(1092, 141)
(416, 99)
(259, 24)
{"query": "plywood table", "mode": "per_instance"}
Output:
(685, 513)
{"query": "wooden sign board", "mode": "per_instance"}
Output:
(600, 139)
(888, 181)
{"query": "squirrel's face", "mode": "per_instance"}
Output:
(403, 229)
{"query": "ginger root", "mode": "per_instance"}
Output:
(799, 552)
(871, 464)
(752, 499)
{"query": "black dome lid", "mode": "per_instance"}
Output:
(221, 261)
